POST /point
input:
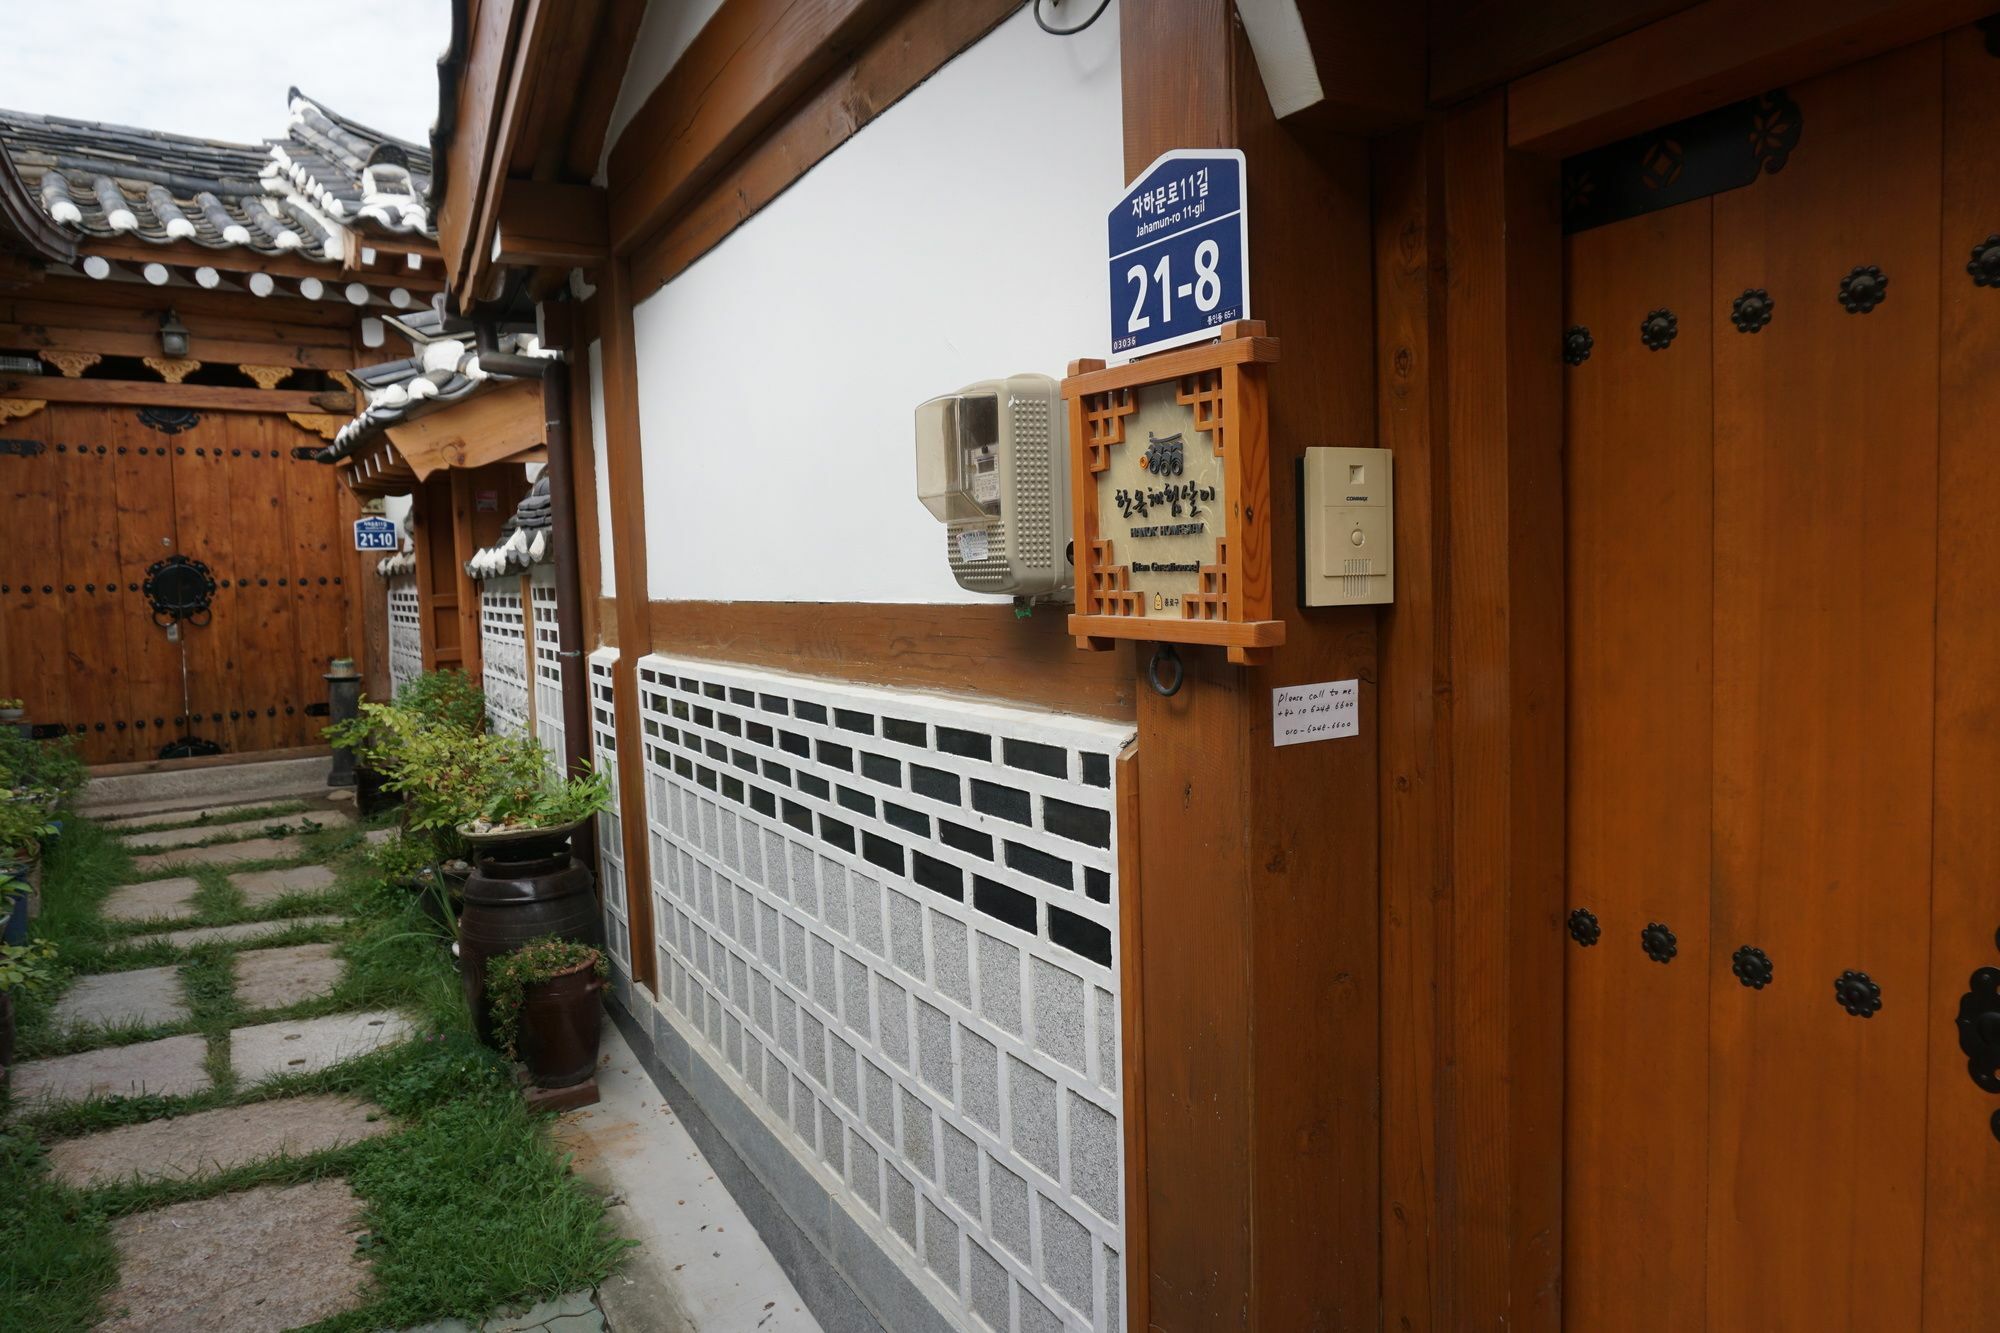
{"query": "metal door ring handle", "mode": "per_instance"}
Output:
(1175, 671)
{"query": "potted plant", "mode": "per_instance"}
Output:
(25, 969)
(535, 816)
(11, 710)
(546, 1010)
(24, 827)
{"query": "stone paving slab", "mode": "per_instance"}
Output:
(144, 997)
(248, 930)
(170, 1067)
(186, 837)
(267, 1258)
(267, 886)
(228, 853)
(213, 815)
(212, 1141)
(274, 978)
(312, 1044)
(155, 900)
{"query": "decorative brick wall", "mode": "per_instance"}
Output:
(610, 848)
(890, 919)
(547, 662)
(406, 632)
(503, 652)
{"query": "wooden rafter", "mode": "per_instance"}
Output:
(139, 393)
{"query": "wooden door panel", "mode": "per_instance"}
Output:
(204, 532)
(266, 625)
(33, 664)
(144, 485)
(95, 613)
(1962, 1202)
(1639, 499)
(318, 557)
(1825, 512)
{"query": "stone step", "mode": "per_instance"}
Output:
(274, 978)
(228, 853)
(267, 886)
(248, 930)
(213, 1141)
(272, 1257)
(143, 997)
(170, 1067)
(167, 839)
(309, 1045)
(205, 784)
(154, 900)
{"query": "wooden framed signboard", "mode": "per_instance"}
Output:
(1170, 465)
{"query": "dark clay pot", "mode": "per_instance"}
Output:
(508, 903)
(559, 1027)
(370, 797)
(7, 1035)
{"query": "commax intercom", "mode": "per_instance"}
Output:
(993, 467)
(1347, 506)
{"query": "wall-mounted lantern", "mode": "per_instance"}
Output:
(173, 336)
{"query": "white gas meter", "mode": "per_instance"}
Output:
(993, 467)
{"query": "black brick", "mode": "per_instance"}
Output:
(1040, 864)
(1014, 907)
(1079, 936)
(934, 783)
(965, 839)
(1049, 760)
(990, 798)
(970, 744)
(1076, 822)
(937, 876)
(909, 733)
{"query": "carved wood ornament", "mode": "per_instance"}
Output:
(71, 364)
(267, 377)
(12, 409)
(172, 369)
(323, 424)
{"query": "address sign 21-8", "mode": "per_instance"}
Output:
(1179, 252)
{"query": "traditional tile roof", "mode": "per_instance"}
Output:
(524, 538)
(312, 192)
(444, 370)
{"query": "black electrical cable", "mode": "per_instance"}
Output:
(1095, 15)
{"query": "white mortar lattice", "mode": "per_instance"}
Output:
(547, 663)
(891, 920)
(503, 650)
(406, 632)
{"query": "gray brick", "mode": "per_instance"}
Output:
(805, 889)
(1000, 983)
(802, 1111)
(785, 1016)
(961, 1169)
(753, 854)
(1059, 1016)
(940, 1244)
(746, 919)
(774, 862)
(864, 1171)
(1066, 1254)
(906, 934)
(833, 894)
(1037, 1317)
(868, 915)
(1093, 1156)
(760, 1004)
(739, 982)
(892, 1008)
(854, 997)
(980, 1098)
(989, 1289)
(918, 1150)
(812, 1047)
(901, 1207)
(795, 955)
(948, 944)
(732, 1041)
(1108, 1021)
(1113, 1306)
(934, 1060)
(726, 831)
(845, 1081)
(830, 1130)
(825, 981)
(767, 934)
(879, 1089)
(1009, 1194)
(704, 891)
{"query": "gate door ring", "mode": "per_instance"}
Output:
(179, 588)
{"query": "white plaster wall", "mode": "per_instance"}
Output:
(959, 237)
(665, 33)
(607, 576)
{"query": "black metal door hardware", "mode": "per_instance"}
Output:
(1577, 344)
(1659, 328)
(1752, 966)
(1857, 993)
(1863, 289)
(1984, 266)
(1583, 927)
(1979, 1028)
(179, 588)
(1659, 943)
(1751, 311)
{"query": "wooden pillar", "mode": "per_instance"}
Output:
(1468, 287)
(625, 475)
(1256, 1196)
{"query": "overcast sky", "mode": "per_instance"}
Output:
(220, 70)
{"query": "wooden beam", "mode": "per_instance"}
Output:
(928, 647)
(1480, 44)
(138, 393)
(907, 50)
(542, 223)
(484, 428)
(597, 96)
(626, 477)
(1707, 56)
(131, 342)
(476, 111)
(241, 259)
(1369, 58)
(752, 60)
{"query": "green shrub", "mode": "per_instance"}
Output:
(446, 698)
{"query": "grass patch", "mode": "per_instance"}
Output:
(469, 1206)
(165, 823)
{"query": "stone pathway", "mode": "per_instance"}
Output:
(208, 1141)
(248, 930)
(147, 997)
(274, 978)
(222, 854)
(260, 887)
(154, 900)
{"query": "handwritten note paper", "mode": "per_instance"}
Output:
(1301, 713)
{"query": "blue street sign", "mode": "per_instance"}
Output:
(1180, 251)
(374, 534)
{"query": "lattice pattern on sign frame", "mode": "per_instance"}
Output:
(1110, 585)
(1104, 424)
(503, 650)
(610, 831)
(1212, 602)
(406, 632)
(1203, 392)
(890, 920)
(548, 663)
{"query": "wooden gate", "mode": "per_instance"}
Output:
(96, 495)
(1784, 643)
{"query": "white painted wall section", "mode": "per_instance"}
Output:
(959, 237)
(665, 33)
(607, 576)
